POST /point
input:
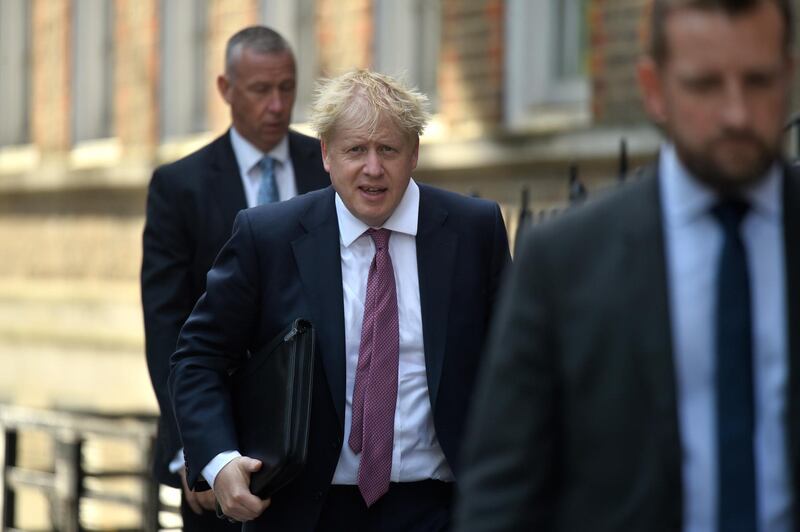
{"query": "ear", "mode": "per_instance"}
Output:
(648, 74)
(223, 86)
(324, 146)
(415, 153)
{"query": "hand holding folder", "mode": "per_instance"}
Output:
(271, 399)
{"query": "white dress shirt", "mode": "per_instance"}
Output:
(693, 240)
(248, 158)
(417, 454)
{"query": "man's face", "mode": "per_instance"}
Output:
(722, 93)
(370, 173)
(261, 94)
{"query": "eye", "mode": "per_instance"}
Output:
(286, 87)
(702, 84)
(387, 149)
(761, 80)
(260, 88)
(356, 149)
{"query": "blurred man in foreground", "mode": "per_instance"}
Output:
(644, 371)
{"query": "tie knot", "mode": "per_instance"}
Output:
(267, 163)
(380, 237)
(730, 213)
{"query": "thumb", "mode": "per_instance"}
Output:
(251, 464)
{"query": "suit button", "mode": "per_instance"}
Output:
(318, 495)
(335, 444)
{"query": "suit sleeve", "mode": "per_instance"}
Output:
(510, 449)
(210, 346)
(167, 295)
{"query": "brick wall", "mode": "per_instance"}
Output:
(471, 68)
(616, 33)
(51, 66)
(344, 35)
(135, 76)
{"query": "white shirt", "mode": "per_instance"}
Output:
(416, 454)
(248, 158)
(693, 242)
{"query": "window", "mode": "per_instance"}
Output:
(547, 60)
(15, 66)
(92, 75)
(407, 42)
(184, 82)
(295, 21)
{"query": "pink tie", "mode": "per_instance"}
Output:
(375, 391)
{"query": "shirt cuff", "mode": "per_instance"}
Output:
(212, 469)
(177, 463)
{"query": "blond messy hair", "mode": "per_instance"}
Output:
(362, 98)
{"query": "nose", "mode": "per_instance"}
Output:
(735, 109)
(373, 166)
(275, 104)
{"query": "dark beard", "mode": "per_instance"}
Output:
(705, 169)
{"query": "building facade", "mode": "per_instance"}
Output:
(95, 93)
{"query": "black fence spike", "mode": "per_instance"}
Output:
(577, 192)
(524, 208)
(623, 159)
(524, 217)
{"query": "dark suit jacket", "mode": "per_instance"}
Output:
(283, 261)
(191, 204)
(575, 424)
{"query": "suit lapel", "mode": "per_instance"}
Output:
(226, 183)
(436, 253)
(319, 264)
(646, 291)
(791, 232)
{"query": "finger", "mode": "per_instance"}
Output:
(251, 464)
(191, 500)
(207, 500)
(189, 495)
(246, 507)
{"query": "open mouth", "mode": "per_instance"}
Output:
(372, 191)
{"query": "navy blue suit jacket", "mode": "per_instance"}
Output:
(191, 204)
(282, 262)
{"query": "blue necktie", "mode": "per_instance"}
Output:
(268, 189)
(734, 378)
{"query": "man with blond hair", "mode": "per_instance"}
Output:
(644, 370)
(399, 280)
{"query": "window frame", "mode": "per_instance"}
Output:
(183, 79)
(92, 75)
(535, 94)
(15, 100)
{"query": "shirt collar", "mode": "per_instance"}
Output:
(248, 155)
(686, 198)
(404, 219)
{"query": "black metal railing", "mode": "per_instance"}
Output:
(68, 482)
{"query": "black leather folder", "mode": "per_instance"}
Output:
(271, 395)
